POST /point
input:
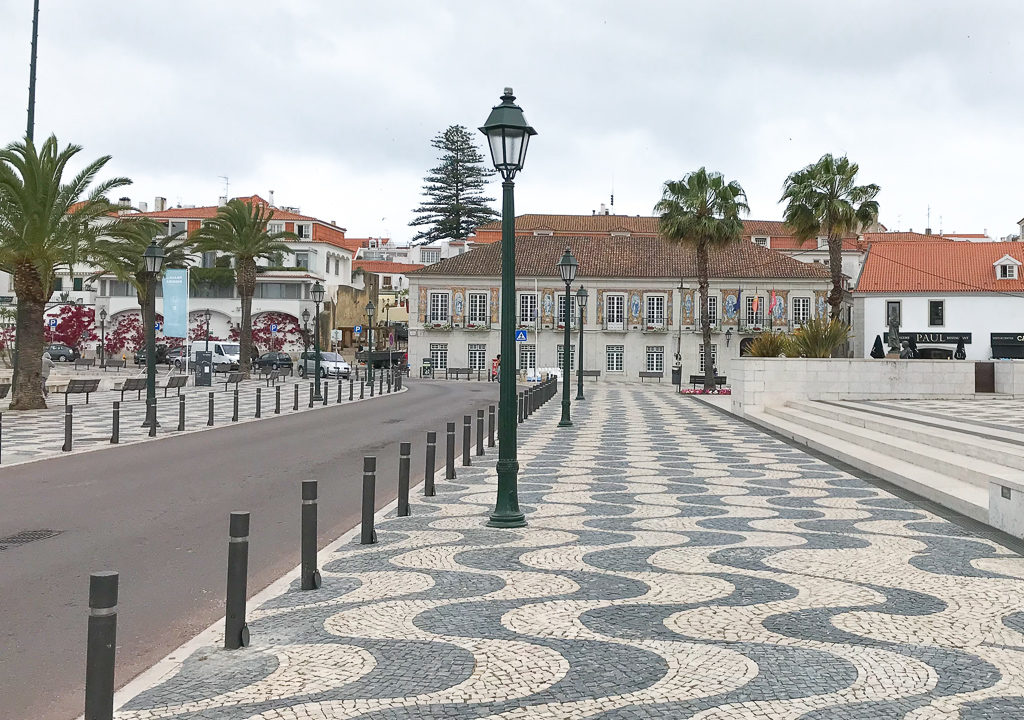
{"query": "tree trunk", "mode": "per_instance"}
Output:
(28, 385)
(705, 321)
(835, 297)
(246, 289)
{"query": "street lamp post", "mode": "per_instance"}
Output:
(103, 336)
(206, 316)
(153, 258)
(581, 300)
(508, 137)
(305, 336)
(317, 293)
(567, 267)
(370, 310)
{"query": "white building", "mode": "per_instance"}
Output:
(943, 292)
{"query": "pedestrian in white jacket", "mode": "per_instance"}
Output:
(47, 367)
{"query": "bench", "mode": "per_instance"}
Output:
(233, 378)
(82, 362)
(4, 389)
(644, 375)
(135, 384)
(116, 364)
(696, 380)
(591, 373)
(272, 376)
(80, 387)
(176, 382)
(454, 373)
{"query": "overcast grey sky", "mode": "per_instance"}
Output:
(333, 103)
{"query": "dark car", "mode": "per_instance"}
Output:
(273, 361)
(59, 352)
(161, 355)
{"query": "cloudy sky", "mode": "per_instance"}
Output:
(333, 103)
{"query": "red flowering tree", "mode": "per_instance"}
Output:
(127, 335)
(75, 326)
(288, 331)
(197, 329)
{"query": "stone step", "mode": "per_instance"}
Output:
(1011, 435)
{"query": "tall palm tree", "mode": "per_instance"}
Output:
(702, 211)
(824, 198)
(47, 222)
(240, 230)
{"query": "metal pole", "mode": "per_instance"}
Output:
(277, 400)
(566, 420)
(367, 535)
(312, 393)
(388, 374)
(579, 364)
(234, 410)
(151, 352)
(362, 389)
(339, 390)
(316, 349)
(490, 426)
(236, 632)
(259, 401)
(449, 464)
(479, 432)
(310, 575)
(181, 413)
(467, 440)
(209, 419)
(371, 388)
(295, 403)
(101, 646)
(351, 389)
(404, 451)
(326, 395)
(68, 419)
(428, 473)
(381, 390)
(115, 430)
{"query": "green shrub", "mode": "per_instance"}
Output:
(819, 337)
(770, 344)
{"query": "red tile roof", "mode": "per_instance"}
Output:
(386, 267)
(904, 237)
(635, 257)
(938, 266)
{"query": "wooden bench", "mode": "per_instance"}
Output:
(116, 364)
(644, 375)
(135, 384)
(272, 376)
(696, 380)
(176, 382)
(83, 362)
(81, 387)
(591, 373)
(233, 378)
(454, 373)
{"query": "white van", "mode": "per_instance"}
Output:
(224, 353)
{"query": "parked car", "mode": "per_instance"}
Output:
(225, 354)
(331, 365)
(274, 361)
(59, 352)
(176, 356)
(161, 355)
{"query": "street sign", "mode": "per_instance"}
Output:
(358, 329)
(273, 327)
(53, 322)
(158, 325)
(520, 336)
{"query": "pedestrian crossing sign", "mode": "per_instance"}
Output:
(520, 336)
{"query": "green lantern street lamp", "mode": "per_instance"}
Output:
(316, 293)
(581, 300)
(370, 310)
(508, 136)
(103, 336)
(305, 337)
(567, 267)
(153, 263)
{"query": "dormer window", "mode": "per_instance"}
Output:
(762, 241)
(823, 243)
(543, 233)
(1007, 268)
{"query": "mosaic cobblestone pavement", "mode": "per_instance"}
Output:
(677, 564)
(1000, 413)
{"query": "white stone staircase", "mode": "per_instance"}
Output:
(967, 467)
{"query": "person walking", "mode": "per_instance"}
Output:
(48, 365)
(495, 368)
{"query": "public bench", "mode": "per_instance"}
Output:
(81, 387)
(175, 382)
(696, 380)
(4, 389)
(645, 375)
(85, 363)
(591, 374)
(271, 376)
(135, 384)
(233, 378)
(454, 373)
(116, 364)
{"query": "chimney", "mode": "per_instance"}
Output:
(143, 207)
(927, 231)
(124, 202)
(222, 200)
(272, 199)
(159, 204)
(603, 210)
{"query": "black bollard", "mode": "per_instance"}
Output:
(490, 426)
(152, 425)
(295, 403)
(389, 382)
(277, 400)
(181, 413)
(428, 473)
(68, 419)
(371, 387)
(404, 450)
(351, 389)
(234, 406)
(310, 579)
(479, 432)
(367, 535)
(449, 464)
(339, 391)
(101, 646)
(259, 401)
(325, 395)
(381, 391)
(362, 389)
(520, 417)
(209, 419)
(236, 632)
(115, 425)
(467, 439)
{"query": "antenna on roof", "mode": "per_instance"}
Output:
(928, 225)
(227, 185)
(612, 197)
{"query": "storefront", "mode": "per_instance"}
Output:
(927, 342)
(1007, 346)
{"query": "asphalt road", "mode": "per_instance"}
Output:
(157, 513)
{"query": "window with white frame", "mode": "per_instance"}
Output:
(275, 227)
(714, 357)
(428, 257)
(527, 308)
(755, 316)
(654, 310)
(823, 243)
(572, 356)
(713, 310)
(302, 260)
(561, 310)
(1007, 271)
(477, 357)
(478, 310)
(801, 310)
(762, 240)
(302, 230)
(655, 358)
(385, 281)
(439, 355)
(439, 308)
(615, 311)
(613, 355)
(527, 357)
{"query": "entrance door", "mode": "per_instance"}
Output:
(984, 377)
(615, 311)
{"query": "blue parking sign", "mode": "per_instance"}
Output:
(358, 329)
(158, 324)
(53, 322)
(273, 327)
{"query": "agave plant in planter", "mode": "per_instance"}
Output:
(819, 337)
(771, 344)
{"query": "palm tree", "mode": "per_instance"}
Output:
(702, 211)
(46, 223)
(240, 230)
(823, 198)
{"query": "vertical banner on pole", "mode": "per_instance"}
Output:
(175, 286)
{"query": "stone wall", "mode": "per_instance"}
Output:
(1010, 377)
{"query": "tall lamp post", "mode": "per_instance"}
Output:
(206, 317)
(581, 300)
(508, 136)
(370, 310)
(103, 336)
(317, 294)
(567, 267)
(305, 336)
(153, 259)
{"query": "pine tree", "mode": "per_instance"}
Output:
(454, 206)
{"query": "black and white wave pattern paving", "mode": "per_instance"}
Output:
(677, 564)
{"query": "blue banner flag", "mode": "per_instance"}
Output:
(176, 303)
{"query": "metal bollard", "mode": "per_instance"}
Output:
(310, 576)
(467, 438)
(68, 419)
(311, 391)
(381, 391)
(479, 432)
(236, 632)
(209, 419)
(371, 388)
(181, 413)
(339, 391)
(428, 473)
(101, 646)
(277, 400)
(367, 535)
(259, 401)
(478, 374)
(490, 426)
(404, 450)
(449, 464)
(362, 389)
(389, 383)
(295, 403)
(115, 429)
(520, 417)
(325, 395)
(351, 389)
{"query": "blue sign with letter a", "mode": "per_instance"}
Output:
(520, 336)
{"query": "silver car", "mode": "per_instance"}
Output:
(331, 365)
